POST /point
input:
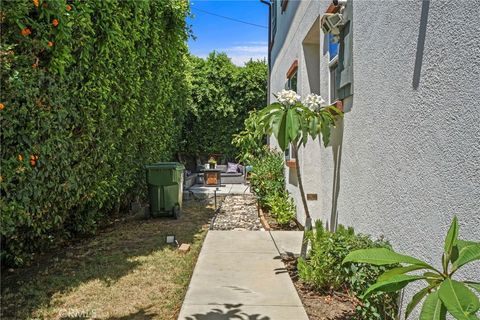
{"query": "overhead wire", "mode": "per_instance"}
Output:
(229, 18)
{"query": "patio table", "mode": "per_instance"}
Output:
(212, 177)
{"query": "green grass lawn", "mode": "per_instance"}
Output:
(125, 272)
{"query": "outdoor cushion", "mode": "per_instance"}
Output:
(231, 174)
(221, 167)
(232, 167)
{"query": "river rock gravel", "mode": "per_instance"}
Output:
(239, 213)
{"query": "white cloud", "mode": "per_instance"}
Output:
(249, 49)
(240, 60)
(243, 53)
(263, 43)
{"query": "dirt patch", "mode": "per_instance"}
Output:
(318, 305)
(274, 225)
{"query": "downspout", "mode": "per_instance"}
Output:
(269, 4)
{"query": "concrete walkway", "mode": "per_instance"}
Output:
(239, 275)
(199, 191)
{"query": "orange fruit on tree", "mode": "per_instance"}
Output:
(20, 157)
(69, 7)
(55, 22)
(50, 44)
(26, 31)
(35, 3)
(2, 106)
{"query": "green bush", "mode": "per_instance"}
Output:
(223, 94)
(442, 294)
(268, 177)
(90, 92)
(251, 140)
(281, 207)
(324, 271)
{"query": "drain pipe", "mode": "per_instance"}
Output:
(269, 4)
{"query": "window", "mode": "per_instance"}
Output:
(344, 70)
(333, 81)
(292, 76)
(333, 65)
(292, 80)
(289, 154)
(341, 55)
(291, 85)
(332, 47)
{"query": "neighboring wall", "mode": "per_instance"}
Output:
(406, 158)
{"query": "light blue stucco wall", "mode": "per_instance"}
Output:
(408, 151)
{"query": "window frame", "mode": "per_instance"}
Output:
(292, 73)
(332, 80)
(283, 5)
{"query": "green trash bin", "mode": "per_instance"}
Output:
(165, 188)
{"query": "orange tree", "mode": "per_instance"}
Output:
(90, 91)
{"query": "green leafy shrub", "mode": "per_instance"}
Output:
(324, 270)
(222, 96)
(281, 207)
(442, 294)
(90, 92)
(250, 140)
(268, 177)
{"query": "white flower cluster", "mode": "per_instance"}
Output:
(314, 102)
(288, 97)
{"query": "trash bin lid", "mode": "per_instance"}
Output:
(166, 165)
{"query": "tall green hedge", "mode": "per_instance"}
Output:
(222, 96)
(90, 91)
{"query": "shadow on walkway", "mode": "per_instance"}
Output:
(229, 311)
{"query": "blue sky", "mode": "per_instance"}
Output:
(240, 41)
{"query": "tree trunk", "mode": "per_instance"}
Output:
(308, 219)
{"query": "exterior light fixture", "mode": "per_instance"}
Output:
(331, 22)
(171, 239)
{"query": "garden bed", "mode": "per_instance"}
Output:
(320, 306)
(270, 223)
(127, 271)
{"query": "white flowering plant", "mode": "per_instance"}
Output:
(314, 102)
(292, 121)
(287, 97)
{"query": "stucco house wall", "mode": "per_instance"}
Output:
(406, 157)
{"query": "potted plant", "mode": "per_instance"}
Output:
(212, 162)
